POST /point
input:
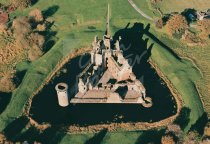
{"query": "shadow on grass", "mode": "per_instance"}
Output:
(14, 128)
(4, 100)
(184, 117)
(49, 34)
(19, 77)
(31, 135)
(153, 37)
(151, 136)
(33, 2)
(50, 135)
(200, 124)
(50, 11)
(97, 138)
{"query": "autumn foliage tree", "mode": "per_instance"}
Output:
(176, 25)
(204, 28)
(159, 23)
(36, 15)
(192, 138)
(25, 30)
(24, 38)
(21, 26)
(7, 83)
(21, 3)
(167, 140)
(174, 129)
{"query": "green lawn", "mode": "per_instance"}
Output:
(183, 74)
(72, 19)
(120, 137)
(113, 137)
(146, 7)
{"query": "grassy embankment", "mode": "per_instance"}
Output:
(71, 22)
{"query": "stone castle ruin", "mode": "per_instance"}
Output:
(108, 78)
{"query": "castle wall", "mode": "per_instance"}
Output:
(113, 67)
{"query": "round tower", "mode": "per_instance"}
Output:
(62, 93)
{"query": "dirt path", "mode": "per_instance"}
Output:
(140, 11)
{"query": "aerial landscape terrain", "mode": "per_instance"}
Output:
(105, 71)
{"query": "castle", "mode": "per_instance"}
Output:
(109, 78)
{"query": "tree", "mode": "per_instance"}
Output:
(2, 138)
(176, 25)
(175, 129)
(21, 3)
(192, 138)
(34, 53)
(207, 130)
(21, 26)
(159, 23)
(7, 83)
(36, 46)
(36, 15)
(41, 27)
(3, 28)
(167, 139)
(204, 28)
(37, 39)
(205, 141)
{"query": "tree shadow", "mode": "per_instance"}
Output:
(184, 117)
(48, 135)
(187, 13)
(19, 77)
(200, 124)
(150, 136)
(97, 138)
(48, 45)
(14, 128)
(4, 100)
(49, 34)
(57, 139)
(33, 2)
(30, 135)
(49, 39)
(50, 11)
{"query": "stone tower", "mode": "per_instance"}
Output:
(62, 93)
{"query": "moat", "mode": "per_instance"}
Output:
(45, 106)
(135, 48)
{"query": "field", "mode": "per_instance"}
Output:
(73, 22)
(168, 6)
(201, 58)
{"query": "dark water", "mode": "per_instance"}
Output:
(45, 106)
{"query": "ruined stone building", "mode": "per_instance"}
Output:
(109, 78)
